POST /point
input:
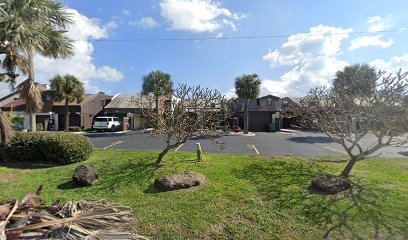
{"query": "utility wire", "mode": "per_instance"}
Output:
(403, 30)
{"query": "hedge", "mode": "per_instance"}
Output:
(63, 148)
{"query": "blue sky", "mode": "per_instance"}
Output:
(288, 66)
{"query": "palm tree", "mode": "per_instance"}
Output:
(35, 26)
(356, 80)
(159, 84)
(68, 89)
(247, 86)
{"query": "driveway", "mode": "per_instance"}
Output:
(304, 143)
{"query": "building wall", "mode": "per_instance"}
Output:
(92, 108)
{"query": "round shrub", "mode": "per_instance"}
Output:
(63, 148)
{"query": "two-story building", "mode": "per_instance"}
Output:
(80, 114)
(262, 111)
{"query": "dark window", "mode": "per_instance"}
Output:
(269, 101)
(258, 102)
(101, 120)
(46, 97)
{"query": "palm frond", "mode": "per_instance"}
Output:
(98, 220)
(31, 95)
(6, 128)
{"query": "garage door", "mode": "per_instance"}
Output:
(258, 121)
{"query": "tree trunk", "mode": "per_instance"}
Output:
(161, 155)
(349, 166)
(246, 117)
(66, 115)
(30, 58)
(157, 104)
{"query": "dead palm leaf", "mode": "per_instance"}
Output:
(31, 94)
(6, 128)
(93, 220)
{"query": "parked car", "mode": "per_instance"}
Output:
(107, 123)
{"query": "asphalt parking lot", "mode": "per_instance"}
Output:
(304, 143)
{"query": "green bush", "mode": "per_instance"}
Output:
(63, 148)
(39, 127)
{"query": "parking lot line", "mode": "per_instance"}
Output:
(114, 144)
(335, 150)
(256, 150)
(178, 147)
(253, 147)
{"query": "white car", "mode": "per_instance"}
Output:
(107, 123)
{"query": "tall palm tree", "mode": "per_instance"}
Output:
(159, 84)
(247, 86)
(68, 89)
(358, 80)
(35, 26)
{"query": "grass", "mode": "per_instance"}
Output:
(246, 197)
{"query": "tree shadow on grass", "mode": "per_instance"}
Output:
(133, 172)
(354, 214)
(27, 164)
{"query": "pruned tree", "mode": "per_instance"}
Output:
(247, 87)
(362, 123)
(68, 89)
(190, 111)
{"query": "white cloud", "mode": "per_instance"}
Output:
(393, 65)
(318, 71)
(112, 24)
(375, 24)
(145, 23)
(276, 88)
(109, 74)
(368, 41)
(220, 35)
(81, 64)
(320, 41)
(311, 58)
(230, 94)
(198, 15)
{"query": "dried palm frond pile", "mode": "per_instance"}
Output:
(93, 220)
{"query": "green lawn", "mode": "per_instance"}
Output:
(246, 197)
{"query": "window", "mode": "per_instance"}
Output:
(258, 103)
(101, 119)
(269, 101)
(46, 97)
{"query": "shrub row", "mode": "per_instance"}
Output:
(63, 148)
